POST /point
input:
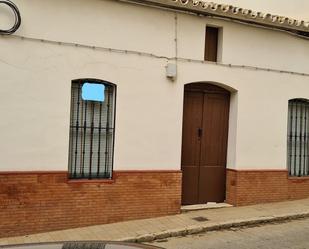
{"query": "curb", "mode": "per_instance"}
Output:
(215, 227)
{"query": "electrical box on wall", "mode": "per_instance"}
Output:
(171, 71)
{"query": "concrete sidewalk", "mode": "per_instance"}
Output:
(182, 224)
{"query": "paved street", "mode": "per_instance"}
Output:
(162, 227)
(294, 234)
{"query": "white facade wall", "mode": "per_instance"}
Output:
(35, 79)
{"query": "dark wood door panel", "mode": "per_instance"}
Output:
(191, 145)
(212, 184)
(192, 121)
(211, 44)
(190, 176)
(215, 130)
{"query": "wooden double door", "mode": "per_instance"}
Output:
(204, 143)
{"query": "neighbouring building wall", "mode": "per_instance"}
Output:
(35, 107)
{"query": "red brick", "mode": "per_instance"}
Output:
(245, 187)
(32, 203)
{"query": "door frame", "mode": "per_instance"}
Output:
(208, 87)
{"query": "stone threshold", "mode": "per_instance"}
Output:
(208, 205)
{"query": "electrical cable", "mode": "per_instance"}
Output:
(151, 55)
(17, 18)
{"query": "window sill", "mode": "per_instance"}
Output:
(94, 181)
(298, 178)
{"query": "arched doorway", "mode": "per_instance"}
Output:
(204, 143)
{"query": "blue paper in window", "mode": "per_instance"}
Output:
(93, 92)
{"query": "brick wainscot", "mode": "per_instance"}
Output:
(247, 187)
(33, 202)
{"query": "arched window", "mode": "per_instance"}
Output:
(298, 137)
(92, 129)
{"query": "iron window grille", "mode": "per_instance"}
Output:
(92, 129)
(298, 138)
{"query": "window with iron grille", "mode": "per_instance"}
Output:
(298, 137)
(91, 130)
